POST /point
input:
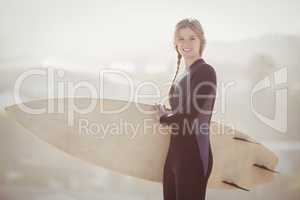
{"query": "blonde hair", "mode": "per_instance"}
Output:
(195, 26)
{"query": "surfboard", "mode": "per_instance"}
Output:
(127, 137)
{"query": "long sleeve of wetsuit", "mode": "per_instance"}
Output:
(203, 83)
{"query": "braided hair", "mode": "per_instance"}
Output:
(179, 56)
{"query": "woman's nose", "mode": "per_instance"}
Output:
(186, 45)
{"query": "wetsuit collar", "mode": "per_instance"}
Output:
(196, 62)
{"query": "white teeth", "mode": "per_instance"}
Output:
(187, 50)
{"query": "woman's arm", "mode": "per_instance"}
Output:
(203, 84)
(173, 118)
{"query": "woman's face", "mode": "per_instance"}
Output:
(188, 43)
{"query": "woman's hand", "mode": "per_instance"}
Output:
(161, 109)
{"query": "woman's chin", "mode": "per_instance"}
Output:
(188, 56)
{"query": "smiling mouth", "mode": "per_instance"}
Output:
(186, 50)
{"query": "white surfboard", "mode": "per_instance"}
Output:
(126, 137)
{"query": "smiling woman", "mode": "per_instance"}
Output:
(189, 161)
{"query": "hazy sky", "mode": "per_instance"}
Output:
(105, 28)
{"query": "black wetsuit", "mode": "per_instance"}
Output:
(189, 160)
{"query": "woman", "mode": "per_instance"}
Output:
(189, 160)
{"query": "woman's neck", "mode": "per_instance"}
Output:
(189, 62)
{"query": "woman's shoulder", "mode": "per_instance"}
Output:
(204, 69)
